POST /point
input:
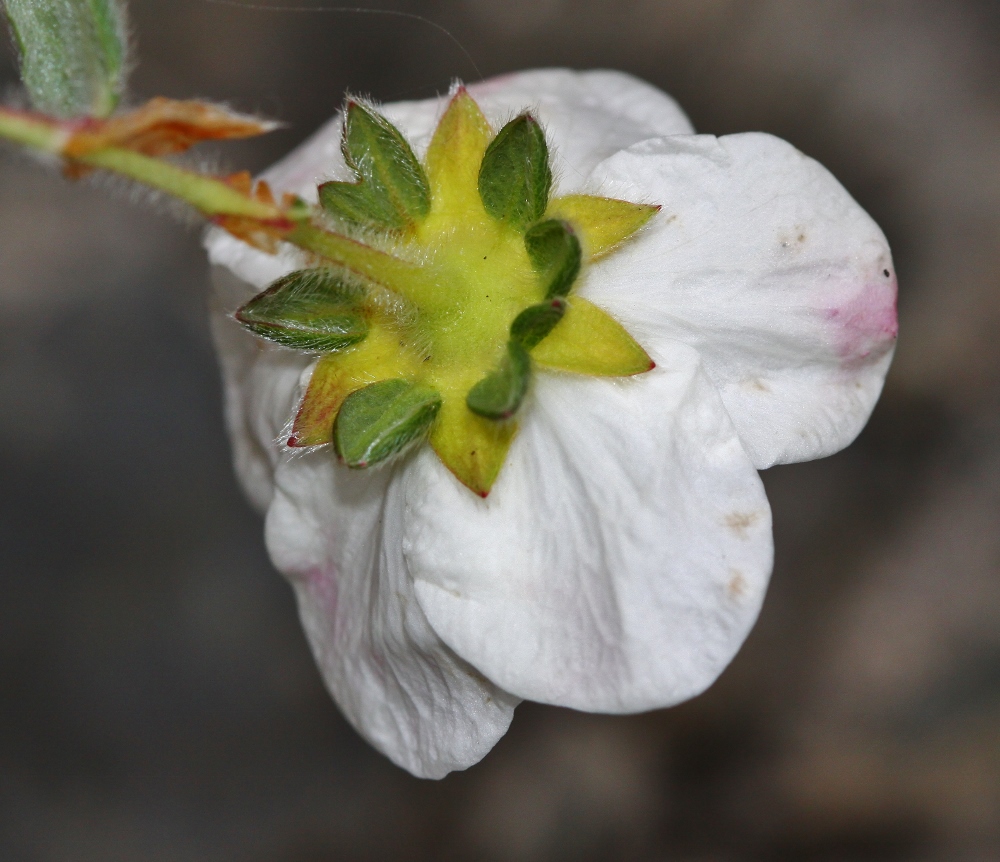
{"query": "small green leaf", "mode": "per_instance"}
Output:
(537, 321)
(356, 203)
(392, 191)
(555, 254)
(311, 309)
(500, 393)
(382, 420)
(514, 177)
(72, 53)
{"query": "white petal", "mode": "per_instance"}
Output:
(587, 116)
(260, 387)
(763, 262)
(622, 556)
(336, 534)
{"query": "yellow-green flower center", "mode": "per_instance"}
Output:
(483, 280)
(466, 270)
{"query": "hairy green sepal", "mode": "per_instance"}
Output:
(392, 191)
(537, 321)
(555, 254)
(72, 54)
(311, 309)
(382, 419)
(514, 177)
(500, 393)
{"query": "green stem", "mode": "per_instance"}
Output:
(206, 194)
(31, 132)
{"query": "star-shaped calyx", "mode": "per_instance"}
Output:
(464, 290)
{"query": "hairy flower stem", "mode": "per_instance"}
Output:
(208, 195)
(216, 199)
(32, 131)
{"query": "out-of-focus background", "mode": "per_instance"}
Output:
(157, 698)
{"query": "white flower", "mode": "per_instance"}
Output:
(623, 554)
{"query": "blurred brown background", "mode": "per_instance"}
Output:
(157, 699)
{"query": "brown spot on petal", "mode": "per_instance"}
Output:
(737, 586)
(740, 522)
(796, 237)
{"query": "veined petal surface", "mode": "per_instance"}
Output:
(620, 559)
(336, 535)
(762, 262)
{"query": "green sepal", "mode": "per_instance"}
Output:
(359, 204)
(500, 393)
(382, 419)
(554, 251)
(392, 191)
(537, 321)
(72, 54)
(310, 309)
(514, 177)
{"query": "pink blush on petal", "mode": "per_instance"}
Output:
(321, 583)
(866, 324)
